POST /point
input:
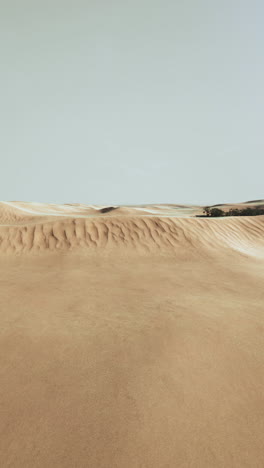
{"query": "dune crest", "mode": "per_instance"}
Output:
(39, 229)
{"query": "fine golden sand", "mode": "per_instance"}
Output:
(130, 337)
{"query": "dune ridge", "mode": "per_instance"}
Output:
(145, 234)
(36, 227)
(28, 212)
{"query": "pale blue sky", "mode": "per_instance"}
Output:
(126, 102)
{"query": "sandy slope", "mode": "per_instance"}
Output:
(130, 338)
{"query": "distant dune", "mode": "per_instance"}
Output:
(131, 336)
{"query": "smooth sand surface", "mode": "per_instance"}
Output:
(130, 338)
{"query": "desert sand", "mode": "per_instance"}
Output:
(131, 337)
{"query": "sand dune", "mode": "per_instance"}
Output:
(147, 234)
(130, 337)
(36, 227)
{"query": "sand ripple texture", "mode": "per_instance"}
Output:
(168, 229)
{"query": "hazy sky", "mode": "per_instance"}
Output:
(128, 102)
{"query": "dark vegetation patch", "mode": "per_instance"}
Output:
(217, 212)
(108, 208)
